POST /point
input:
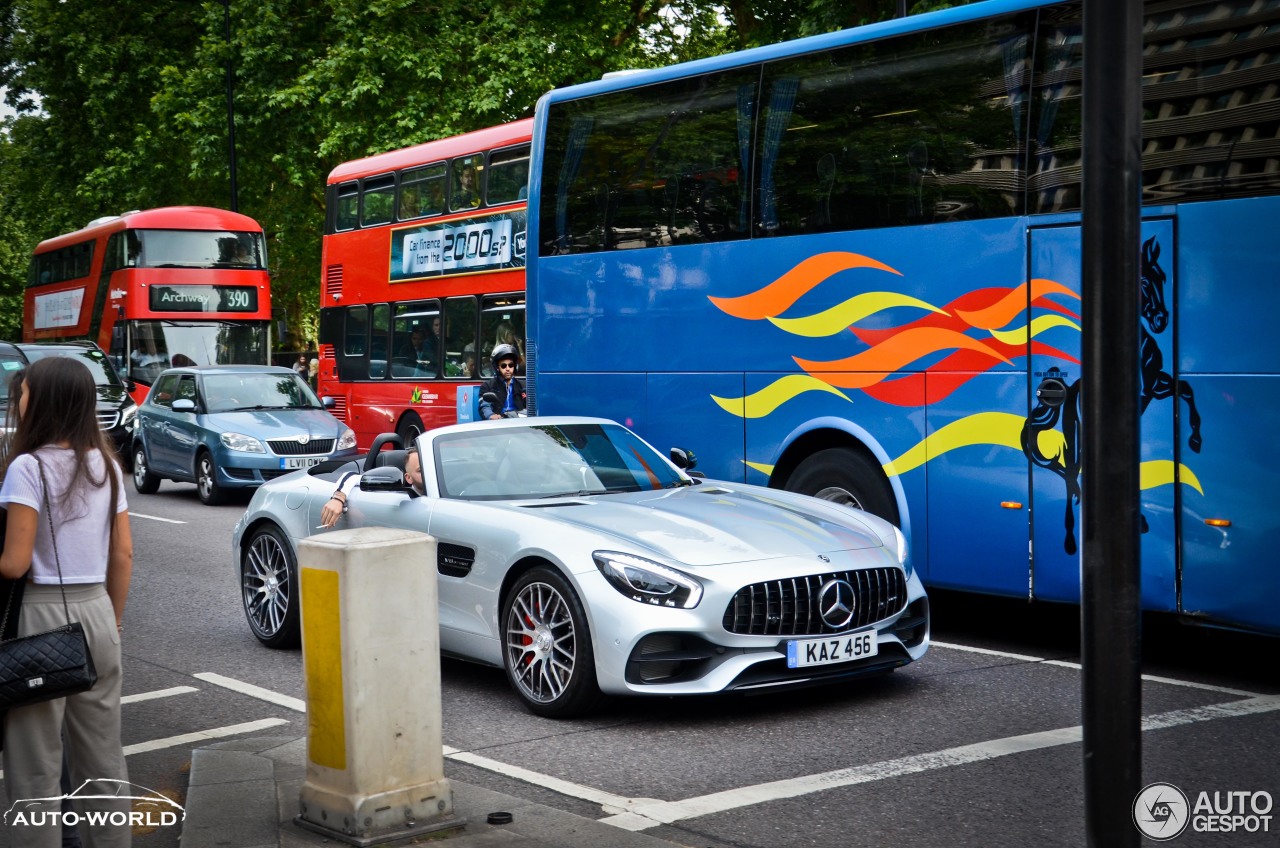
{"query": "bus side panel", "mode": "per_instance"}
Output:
(978, 500)
(620, 397)
(1231, 573)
(1229, 357)
(1057, 514)
(682, 413)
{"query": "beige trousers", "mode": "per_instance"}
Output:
(33, 735)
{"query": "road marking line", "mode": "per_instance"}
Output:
(637, 814)
(253, 691)
(159, 693)
(643, 817)
(203, 735)
(156, 518)
(555, 784)
(198, 736)
(1150, 678)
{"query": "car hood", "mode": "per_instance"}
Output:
(276, 423)
(716, 524)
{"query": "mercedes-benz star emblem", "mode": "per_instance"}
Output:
(836, 603)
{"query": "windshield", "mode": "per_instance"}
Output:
(93, 359)
(195, 249)
(543, 460)
(231, 392)
(157, 345)
(9, 365)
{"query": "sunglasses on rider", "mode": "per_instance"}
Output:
(506, 364)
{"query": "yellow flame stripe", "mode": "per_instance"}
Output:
(1038, 325)
(766, 470)
(1166, 472)
(984, 428)
(838, 318)
(774, 395)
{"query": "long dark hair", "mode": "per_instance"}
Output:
(16, 382)
(61, 410)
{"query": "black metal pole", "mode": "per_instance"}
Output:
(901, 10)
(1110, 600)
(231, 108)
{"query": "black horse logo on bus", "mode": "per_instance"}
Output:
(1057, 402)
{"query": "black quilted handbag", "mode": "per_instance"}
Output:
(48, 665)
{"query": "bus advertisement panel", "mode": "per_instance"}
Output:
(850, 266)
(424, 260)
(181, 285)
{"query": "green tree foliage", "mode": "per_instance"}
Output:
(122, 104)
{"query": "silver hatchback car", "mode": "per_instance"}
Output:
(580, 560)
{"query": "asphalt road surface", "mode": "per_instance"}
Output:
(975, 745)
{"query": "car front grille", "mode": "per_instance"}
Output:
(292, 447)
(108, 418)
(791, 607)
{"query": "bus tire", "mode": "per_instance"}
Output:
(847, 476)
(409, 428)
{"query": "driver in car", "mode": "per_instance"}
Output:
(337, 503)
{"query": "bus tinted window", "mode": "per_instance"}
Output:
(377, 201)
(356, 331)
(415, 338)
(1211, 78)
(501, 322)
(346, 212)
(508, 176)
(913, 130)
(422, 192)
(662, 165)
(195, 249)
(66, 263)
(460, 338)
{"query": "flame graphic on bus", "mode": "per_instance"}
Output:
(974, 332)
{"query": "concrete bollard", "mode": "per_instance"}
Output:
(371, 655)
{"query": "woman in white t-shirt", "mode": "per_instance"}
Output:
(58, 443)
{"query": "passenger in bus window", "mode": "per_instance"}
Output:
(507, 335)
(466, 193)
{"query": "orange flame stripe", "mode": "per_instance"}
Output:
(778, 296)
(1007, 308)
(906, 347)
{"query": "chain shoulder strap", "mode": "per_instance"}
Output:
(53, 537)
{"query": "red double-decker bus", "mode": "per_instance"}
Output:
(182, 285)
(423, 257)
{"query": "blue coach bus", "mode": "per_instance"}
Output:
(849, 265)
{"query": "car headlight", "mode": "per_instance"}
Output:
(241, 442)
(900, 545)
(128, 415)
(348, 440)
(648, 582)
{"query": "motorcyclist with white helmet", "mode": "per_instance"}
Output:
(507, 389)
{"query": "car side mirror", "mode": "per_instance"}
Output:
(383, 479)
(327, 402)
(184, 405)
(130, 386)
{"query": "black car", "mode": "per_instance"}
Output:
(117, 412)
